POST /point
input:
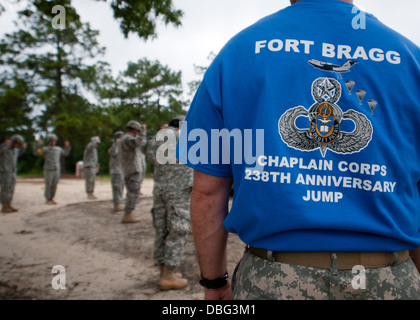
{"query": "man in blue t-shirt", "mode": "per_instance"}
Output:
(312, 114)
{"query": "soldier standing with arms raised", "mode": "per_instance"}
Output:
(52, 168)
(10, 150)
(117, 174)
(132, 161)
(90, 165)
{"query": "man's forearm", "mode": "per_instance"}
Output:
(209, 207)
(210, 237)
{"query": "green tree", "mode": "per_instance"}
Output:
(49, 76)
(145, 91)
(137, 16)
(52, 60)
(200, 71)
(140, 16)
(15, 114)
(60, 69)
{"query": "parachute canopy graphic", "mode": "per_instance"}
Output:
(361, 95)
(372, 104)
(350, 85)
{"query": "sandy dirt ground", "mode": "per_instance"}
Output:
(103, 259)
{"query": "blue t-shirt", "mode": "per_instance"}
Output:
(314, 111)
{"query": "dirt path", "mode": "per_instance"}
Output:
(103, 259)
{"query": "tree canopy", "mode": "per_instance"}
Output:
(140, 16)
(135, 16)
(146, 91)
(53, 80)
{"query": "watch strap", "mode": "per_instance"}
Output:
(216, 283)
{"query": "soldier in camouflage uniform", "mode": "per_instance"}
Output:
(90, 165)
(132, 161)
(52, 167)
(261, 279)
(117, 175)
(357, 246)
(171, 202)
(10, 150)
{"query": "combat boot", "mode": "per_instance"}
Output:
(118, 208)
(168, 280)
(129, 218)
(176, 274)
(5, 208)
(13, 209)
(51, 202)
(91, 196)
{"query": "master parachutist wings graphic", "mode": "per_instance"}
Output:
(350, 142)
(345, 143)
(294, 137)
(326, 93)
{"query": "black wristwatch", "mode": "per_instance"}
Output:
(216, 283)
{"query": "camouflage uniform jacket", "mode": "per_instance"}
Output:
(8, 158)
(173, 175)
(115, 166)
(90, 156)
(52, 156)
(131, 157)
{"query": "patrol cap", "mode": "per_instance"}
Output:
(134, 125)
(175, 121)
(118, 134)
(17, 139)
(96, 139)
(52, 136)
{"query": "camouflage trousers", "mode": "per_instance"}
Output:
(7, 185)
(133, 185)
(172, 223)
(117, 184)
(90, 176)
(51, 178)
(260, 279)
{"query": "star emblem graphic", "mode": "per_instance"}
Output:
(326, 89)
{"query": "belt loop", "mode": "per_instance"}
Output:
(270, 256)
(396, 259)
(333, 263)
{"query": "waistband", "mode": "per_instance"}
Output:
(337, 260)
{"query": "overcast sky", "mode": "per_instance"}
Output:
(207, 25)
